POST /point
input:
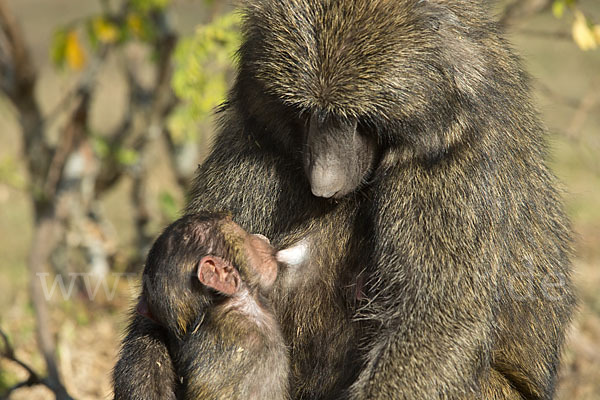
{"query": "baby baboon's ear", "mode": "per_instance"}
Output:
(218, 274)
(143, 309)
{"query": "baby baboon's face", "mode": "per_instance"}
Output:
(258, 255)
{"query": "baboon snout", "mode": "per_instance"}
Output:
(328, 182)
(337, 157)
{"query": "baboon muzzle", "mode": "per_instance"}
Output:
(337, 156)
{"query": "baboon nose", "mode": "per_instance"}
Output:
(324, 193)
(325, 182)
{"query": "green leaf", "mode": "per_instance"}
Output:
(10, 174)
(149, 5)
(168, 206)
(127, 157)
(92, 35)
(202, 66)
(101, 146)
(558, 8)
(58, 47)
(139, 25)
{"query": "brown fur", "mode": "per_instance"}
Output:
(203, 292)
(458, 230)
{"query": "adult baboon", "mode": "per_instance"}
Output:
(399, 135)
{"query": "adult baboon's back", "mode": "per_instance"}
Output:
(442, 265)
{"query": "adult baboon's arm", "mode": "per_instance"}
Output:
(431, 291)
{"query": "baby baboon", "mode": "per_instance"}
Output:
(205, 284)
(401, 134)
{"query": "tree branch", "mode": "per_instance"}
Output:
(76, 127)
(160, 107)
(19, 86)
(44, 241)
(518, 10)
(587, 103)
(24, 71)
(551, 35)
(9, 353)
(550, 93)
(20, 89)
(33, 379)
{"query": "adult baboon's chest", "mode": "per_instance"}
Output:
(316, 312)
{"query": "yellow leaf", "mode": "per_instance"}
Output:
(105, 31)
(597, 33)
(74, 53)
(582, 34)
(134, 22)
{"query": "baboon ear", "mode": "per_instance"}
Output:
(143, 309)
(218, 274)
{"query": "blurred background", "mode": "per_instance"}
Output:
(105, 112)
